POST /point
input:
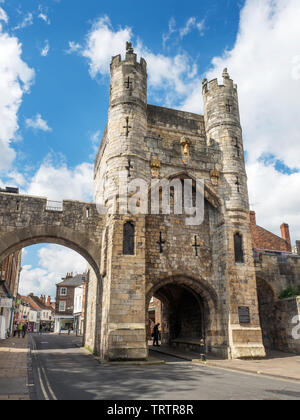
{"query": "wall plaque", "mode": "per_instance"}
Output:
(244, 315)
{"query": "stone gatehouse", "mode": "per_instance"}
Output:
(205, 275)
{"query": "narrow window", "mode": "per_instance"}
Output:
(87, 213)
(128, 238)
(238, 248)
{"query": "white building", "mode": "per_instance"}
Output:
(5, 316)
(79, 294)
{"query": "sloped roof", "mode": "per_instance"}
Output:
(32, 304)
(74, 281)
(39, 304)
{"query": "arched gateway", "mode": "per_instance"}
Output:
(203, 271)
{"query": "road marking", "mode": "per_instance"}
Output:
(42, 385)
(39, 369)
(48, 384)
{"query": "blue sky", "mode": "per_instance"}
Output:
(63, 91)
(54, 67)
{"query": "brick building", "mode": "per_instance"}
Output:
(263, 240)
(64, 303)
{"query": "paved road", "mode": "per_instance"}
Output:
(63, 371)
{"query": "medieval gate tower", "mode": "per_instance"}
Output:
(204, 274)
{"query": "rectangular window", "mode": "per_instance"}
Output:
(63, 291)
(62, 306)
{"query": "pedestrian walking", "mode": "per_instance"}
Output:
(19, 329)
(202, 350)
(24, 330)
(156, 334)
(15, 328)
(41, 328)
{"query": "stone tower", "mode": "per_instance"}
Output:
(122, 159)
(223, 128)
(203, 274)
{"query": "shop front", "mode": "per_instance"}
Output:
(63, 324)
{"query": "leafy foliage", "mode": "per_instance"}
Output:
(290, 292)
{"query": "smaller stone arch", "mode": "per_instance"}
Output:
(202, 295)
(210, 193)
(266, 305)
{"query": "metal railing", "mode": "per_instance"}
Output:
(54, 205)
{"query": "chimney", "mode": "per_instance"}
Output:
(253, 217)
(49, 301)
(285, 233)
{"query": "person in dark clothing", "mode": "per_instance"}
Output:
(24, 330)
(156, 334)
(202, 350)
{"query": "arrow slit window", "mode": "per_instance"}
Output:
(238, 248)
(128, 238)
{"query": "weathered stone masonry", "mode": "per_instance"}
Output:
(205, 276)
(144, 141)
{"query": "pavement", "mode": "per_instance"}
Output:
(276, 364)
(64, 371)
(59, 359)
(14, 364)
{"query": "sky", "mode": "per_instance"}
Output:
(54, 87)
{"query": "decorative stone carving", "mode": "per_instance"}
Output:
(185, 150)
(155, 167)
(215, 177)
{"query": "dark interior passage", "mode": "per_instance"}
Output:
(182, 314)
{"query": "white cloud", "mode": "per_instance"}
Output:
(265, 66)
(46, 49)
(54, 263)
(275, 197)
(15, 80)
(43, 15)
(27, 21)
(169, 77)
(3, 17)
(262, 63)
(102, 43)
(37, 123)
(73, 48)
(96, 139)
(171, 31)
(190, 25)
(61, 182)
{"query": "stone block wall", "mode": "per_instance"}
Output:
(285, 312)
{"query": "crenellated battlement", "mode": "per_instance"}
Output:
(130, 58)
(213, 86)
